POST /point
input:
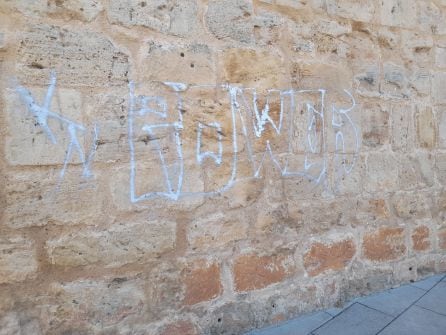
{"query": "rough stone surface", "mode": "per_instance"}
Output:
(253, 272)
(384, 244)
(335, 256)
(18, 259)
(202, 283)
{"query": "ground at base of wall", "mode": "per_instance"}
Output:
(417, 309)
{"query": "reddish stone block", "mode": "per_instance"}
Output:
(335, 256)
(420, 238)
(384, 244)
(202, 284)
(252, 272)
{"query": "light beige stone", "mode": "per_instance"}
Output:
(123, 243)
(18, 261)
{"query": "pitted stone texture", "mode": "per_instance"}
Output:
(252, 272)
(231, 19)
(97, 304)
(123, 243)
(80, 58)
(362, 10)
(176, 17)
(215, 231)
(260, 69)
(384, 244)
(202, 282)
(334, 256)
(28, 144)
(31, 199)
(84, 10)
(18, 259)
(189, 64)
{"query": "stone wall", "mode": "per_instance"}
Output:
(213, 166)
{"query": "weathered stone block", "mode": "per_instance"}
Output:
(257, 69)
(29, 144)
(122, 243)
(384, 244)
(440, 165)
(166, 16)
(440, 57)
(217, 230)
(231, 19)
(39, 197)
(381, 172)
(189, 64)
(362, 10)
(179, 328)
(412, 205)
(403, 129)
(331, 256)
(18, 261)
(426, 126)
(80, 58)
(375, 125)
(398, 13)
(416, 170)
(253, 272)
(97, 304)
(84, 10)
(395, 82)
(439, 87)
(420, 238)
(202, 282)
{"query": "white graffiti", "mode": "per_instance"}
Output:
(42, 114)
(248, 121)
(232, 137)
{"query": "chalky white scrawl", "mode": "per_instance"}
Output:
(42, 114)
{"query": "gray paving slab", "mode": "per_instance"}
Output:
(393, 302)
(301, 326)
(355, 320)
(428, 283)
(417, 321)
(435, 299)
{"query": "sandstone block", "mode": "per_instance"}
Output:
(97, 304)
(231, 19)
(29, 144)
(375, 125)
(412, 205)
(166, 16)
(426, 126)
(18, 261)
(257, 69)
(440, 166)
(395, 81)
(420, 238)
(189, 64)
(441, 235)
(362, 10)
(403, 128)
(381, 172)
(39, 197)
(202, 282)
(332, 256)
(416, 170)
(79, 57)
(179, 328)
(398, 13)
(384, 244)
(253, 272)
(122, 243)
(439, 87)
(440, 57)
(217, 230)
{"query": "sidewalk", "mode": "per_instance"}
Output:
(415, 309)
